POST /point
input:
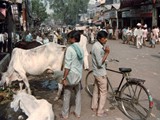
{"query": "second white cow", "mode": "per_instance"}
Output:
(34, 62)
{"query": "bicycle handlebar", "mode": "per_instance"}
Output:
(112, 60)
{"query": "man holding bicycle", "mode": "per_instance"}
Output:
(99, 55)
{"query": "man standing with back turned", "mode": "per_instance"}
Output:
(99, 55)
(72, 74)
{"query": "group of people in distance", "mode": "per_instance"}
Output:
(140, 35)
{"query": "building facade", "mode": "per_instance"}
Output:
(121, 13)
(14, 17)
(143, 11)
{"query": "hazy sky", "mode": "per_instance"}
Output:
(49, 11)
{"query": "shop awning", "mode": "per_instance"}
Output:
(110, 6)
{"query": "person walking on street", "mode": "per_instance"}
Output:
(73, 67)
(28, 37)
(92, 36)
(153, 39)
(100, 53)
(1, 41)
(45, 39)
(144, 34)
(39, 38)
(124, 38)
(128, 35)
(138, 34)
(83, 44)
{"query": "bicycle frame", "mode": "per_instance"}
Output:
(124, 75)
(127, 94)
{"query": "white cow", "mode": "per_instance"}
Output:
(34, 62)
(35, 109)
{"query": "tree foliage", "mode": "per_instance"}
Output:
(67, 11)
(39, 9)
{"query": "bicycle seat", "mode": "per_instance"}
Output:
(124, 70)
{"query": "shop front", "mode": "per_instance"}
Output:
(142, 14)
(111, 18)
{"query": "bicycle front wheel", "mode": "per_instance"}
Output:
(136, 101)
(89, 83)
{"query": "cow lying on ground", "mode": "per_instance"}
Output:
(35, 109)
(27, 45)
(34, 62)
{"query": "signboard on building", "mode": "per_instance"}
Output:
(144, 11)
(129, 3)
(110, 14)
(126, 14)
(106, 15)
(108, 2)
(131, 13)
(154, 1)
(113, 14)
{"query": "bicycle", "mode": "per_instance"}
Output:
(132, 97)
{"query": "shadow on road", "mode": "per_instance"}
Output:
(156, 56)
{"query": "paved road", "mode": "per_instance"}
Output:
(145, 64)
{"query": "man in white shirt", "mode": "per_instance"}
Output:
(83, 44)
(39, 38)
(1, 41)
(144, 34)
(72, 74)
(138, 34)
(156, 32)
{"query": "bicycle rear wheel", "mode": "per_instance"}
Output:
(89, 83)
(136, 101)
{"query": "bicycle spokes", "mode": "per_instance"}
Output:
(135, 101)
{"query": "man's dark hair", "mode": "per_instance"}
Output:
(74, 34)
(101, 34)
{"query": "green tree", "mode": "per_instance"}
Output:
(67, 10)
(39, 9)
